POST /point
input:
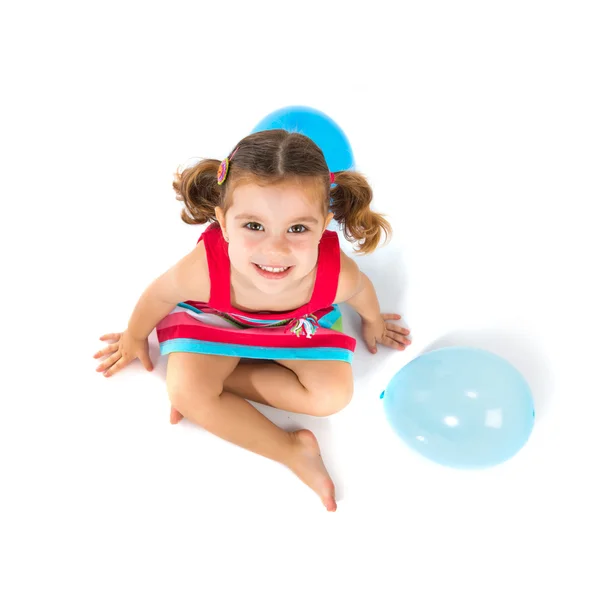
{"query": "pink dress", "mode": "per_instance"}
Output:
(311, 332)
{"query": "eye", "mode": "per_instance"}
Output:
(298, 229)
(254, 226)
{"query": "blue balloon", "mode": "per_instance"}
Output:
(461, 407)
(316, 125)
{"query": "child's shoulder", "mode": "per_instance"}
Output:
(349, 280)
(190, 275)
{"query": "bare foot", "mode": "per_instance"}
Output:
(176, 416)
(308, 465)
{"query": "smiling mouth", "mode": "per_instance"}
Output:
(273, 269)
(272, 272)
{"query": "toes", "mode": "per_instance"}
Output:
(330, 504)
(328, 497)
(175, 416)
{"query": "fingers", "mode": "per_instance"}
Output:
(371, 345)
(397, 328)
(116, 359)
(109, 362)
(145, 360)
(392, 343)
(401, 339)
(391, 316)
(395, 336)
(111, 336)
(108, 350)
(116, 367)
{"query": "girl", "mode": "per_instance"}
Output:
(251, 312)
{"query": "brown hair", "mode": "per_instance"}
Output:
(270, 157)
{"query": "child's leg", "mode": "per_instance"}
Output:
(195, 386)
(311, 387)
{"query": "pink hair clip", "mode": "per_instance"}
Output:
(224, 167)
(222, 172)
(331, 177)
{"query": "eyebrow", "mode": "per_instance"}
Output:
(249, 217)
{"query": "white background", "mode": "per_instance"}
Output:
(477, 124)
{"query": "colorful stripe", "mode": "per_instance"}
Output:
(198, 328)
(331, 319)
(256, 352)
(171, 329)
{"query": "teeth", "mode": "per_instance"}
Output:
(273, 269)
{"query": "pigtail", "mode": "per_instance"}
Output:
(197, 188)
(351, 197)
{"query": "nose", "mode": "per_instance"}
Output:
(276, 245)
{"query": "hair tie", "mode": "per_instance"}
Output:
(331, 177)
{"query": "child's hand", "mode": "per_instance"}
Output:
(122, 351)
(382, 332)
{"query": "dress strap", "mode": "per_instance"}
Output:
(328, 272)
(218, 267)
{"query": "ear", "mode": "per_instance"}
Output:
(221, 219)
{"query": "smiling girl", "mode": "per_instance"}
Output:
(252, 311)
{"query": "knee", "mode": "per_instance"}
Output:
(326, 400)
(188, 399)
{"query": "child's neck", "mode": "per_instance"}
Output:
(248, 298)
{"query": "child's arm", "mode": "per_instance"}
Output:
(186, 280)
(356, 289)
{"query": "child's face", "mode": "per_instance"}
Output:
(274, 233)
